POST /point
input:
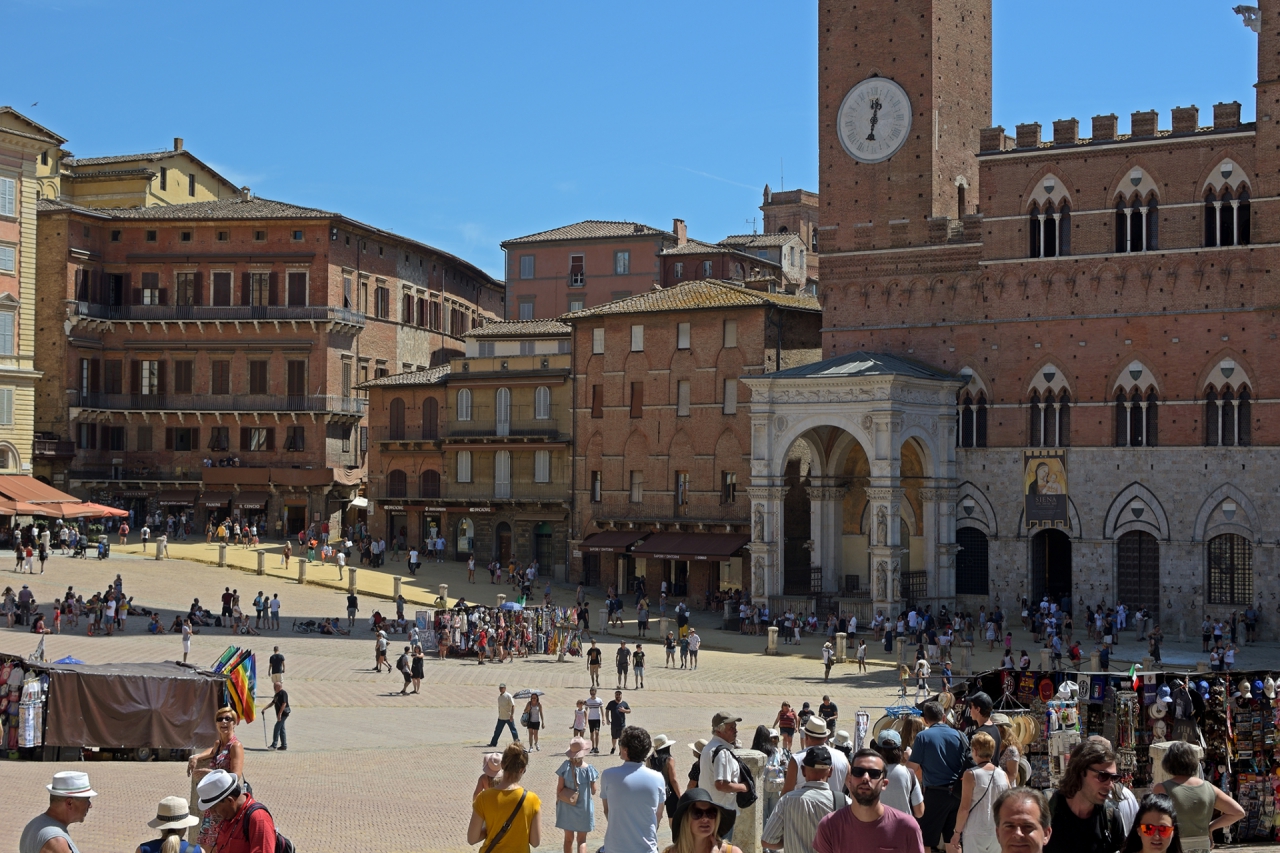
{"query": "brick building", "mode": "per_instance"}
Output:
(794, 212)
(1045, 358)
(22, 142)
(661, 439)
(581, 266)
(479, 449)
(176, 337)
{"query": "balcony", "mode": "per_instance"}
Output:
(329, 404)
(474, 493)
(403, 434)
(43, 448)
(520, 425)
(314, 316)
(654, 509)
(124, 473)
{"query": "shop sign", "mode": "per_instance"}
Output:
(393, 508)
(480, 509)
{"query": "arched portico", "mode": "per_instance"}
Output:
(879, 434)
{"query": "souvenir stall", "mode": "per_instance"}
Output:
(542, 630)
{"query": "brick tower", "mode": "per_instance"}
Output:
(934, 57)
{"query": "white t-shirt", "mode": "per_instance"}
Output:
(723, 767)
(342, 559)
(413, 555)
(275, 605)
(594, 706)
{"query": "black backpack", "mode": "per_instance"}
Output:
(747, 797)
(283, 845)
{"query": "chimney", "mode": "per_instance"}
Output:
(1104, 127)
(177, 143)
(1186, 119)
(1028, 135)
(245, 194)
(1226, 115)
(1066, 131)
(991, 138)
(681, 232)
(1144, 123)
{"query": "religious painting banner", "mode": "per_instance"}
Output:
(1044, 486)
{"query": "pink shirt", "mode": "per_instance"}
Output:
(841, 832)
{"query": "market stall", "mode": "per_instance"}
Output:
(541, 630)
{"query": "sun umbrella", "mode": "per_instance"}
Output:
(69, 659)
(526, 693)
(512, 605)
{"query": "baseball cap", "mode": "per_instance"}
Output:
(817, 756)
(889, 738)
(723, 717)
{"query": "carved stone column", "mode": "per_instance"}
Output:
(826, 514)
(886, 548)
(939, 543)
(766, 541)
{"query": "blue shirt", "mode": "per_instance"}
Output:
(939, 750)
(633, 793)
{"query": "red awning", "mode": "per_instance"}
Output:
(611, 541)
(21, 488)
(251, 500)
(691, 546)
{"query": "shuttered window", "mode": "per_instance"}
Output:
(502, 474)
(6, 333)
(682, 335)
(464, 466)
(8, 196)
(6, 406)
(542, 403)
(542, 466)
(637, 338)
(464, 406)
(597, 341)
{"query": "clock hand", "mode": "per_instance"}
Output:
(875, 118)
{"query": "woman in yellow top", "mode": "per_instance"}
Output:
(508, 805)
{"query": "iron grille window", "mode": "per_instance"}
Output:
(1230, 570)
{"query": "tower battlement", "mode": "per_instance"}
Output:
(1144, 125)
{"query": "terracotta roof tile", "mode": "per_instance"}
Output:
(522, 329)
(591, 229)
(430, 376)
(758, 240)
(697, 295)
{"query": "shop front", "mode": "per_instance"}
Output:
(179, 503)
(604, 556)
(251, 508)
(136, 502)
(294, 514)
(214, 507)
(694, 565)
(464, 537)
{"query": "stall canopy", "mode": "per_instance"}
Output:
(21, 495)
(691, 546)
(91, 510)
(251, 500)
(612, 541)
(215, 499)
(178, 497)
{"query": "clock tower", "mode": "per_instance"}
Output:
(904, 89)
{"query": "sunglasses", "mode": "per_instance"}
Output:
(1156, 829)
(226, 719)
(872, 772)
(700, 813)
(1104, 777)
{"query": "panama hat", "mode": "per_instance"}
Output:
(659, 742)
(173, 813)
(216, 787)
(578, 747)
(71, 783)
(815, 727)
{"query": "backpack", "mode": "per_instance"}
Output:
(747, 797)
(283, 845)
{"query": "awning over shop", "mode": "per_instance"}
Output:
(172, 497)
(215, 499)
(611, 541)
(21, 488)
(691, 546)
(251, 500)
(296, 501)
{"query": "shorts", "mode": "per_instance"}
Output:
(787, 730)
(532, 726)
(639, 672)
(615, 731)
(622, 670)
(226, 610)
(593, 725)
(351, 613)
(277, 677)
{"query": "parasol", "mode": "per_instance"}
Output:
(526, 693)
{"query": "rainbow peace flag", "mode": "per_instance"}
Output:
(241, 669)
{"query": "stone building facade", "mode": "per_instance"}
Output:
(662, 432)
(1096, 309)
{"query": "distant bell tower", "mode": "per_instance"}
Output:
(904, 89)
(1264, 19)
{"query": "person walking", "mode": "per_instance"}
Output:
(1081, 821)
(719, 771)
(637, 663)
(353, 607)
(275, 666)
(632, 794)
(981, 785)
(1195, 799)
(795, 820)
(593, 664)
(595, 714)
(577, 784)
(623, 660)
(70, 799)
(664, 764)
(506, 715)
(532, 718)
(938, 759)
(406, 670)
(280, 704)
(186, 639)
(866, 825)
(173, 816)
(695, 643)
(828, 658)
(380, 652)
(417, 671)
(245, 825)
(507, 817)
(616, 711)
(669, 644)
(275, 611)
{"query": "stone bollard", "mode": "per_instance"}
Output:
(966, 659)
(162, 547)
(842, 643)
(1046, 660)
(262, 562)
(395, 586)
(222, 553)
(351, 579)
(771, 647)
(302, 570)
(662, 628)
(1202, 666)
(901, 645)
(750, 823)
(502, 599)
(1095, 661)
(444, 592)
(604, 620)
(1148, 663)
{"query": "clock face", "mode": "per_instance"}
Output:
(874, 120)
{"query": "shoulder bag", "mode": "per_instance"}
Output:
(501, 832)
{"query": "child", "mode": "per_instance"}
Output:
(57, 619)
(580, 719)
(490, 771)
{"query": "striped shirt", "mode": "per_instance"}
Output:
(795, 819)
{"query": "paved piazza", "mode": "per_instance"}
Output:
(364, 764)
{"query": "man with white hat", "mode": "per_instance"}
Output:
(70, 798)
(815, 733)
(247, 826)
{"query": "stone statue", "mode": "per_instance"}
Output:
(1252, 17)
(882, 527)
(757, 577)
(759, 523)
(882, 580)
(897, 587)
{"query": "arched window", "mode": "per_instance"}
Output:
(782, 230)
(430, 419)
(1227, 417)
(396, 420)
(971, 562)
(542, 403)
(1050, 228)
(1137, 226)
(464, 404)
(502, 474)
(430, 484)
(1137, 417)
(973, 420)
(980, 421)
(1050, 419)
(397, 484)
(1230, 570)
(502, 411)
(1226, 217)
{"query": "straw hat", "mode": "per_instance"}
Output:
(71, 783)
(816, 728)
(698, 745)
(578, 747)
(659, 742)
(173, 813)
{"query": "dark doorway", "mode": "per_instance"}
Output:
(1051, 565)
(971, 562)
(502, 542)
(590, 570)
(542, 543)
(296, 521)
(796, 574)
(1138, 572)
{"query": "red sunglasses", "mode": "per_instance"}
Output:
(1156, 829)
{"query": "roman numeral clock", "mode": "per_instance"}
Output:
(874, 120)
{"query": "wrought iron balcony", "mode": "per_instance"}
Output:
(321, 403)
(519, 424)
(43, 448)
(218, 314)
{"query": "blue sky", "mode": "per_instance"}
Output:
(464, 124)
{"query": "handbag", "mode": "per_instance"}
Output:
(501, 832)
